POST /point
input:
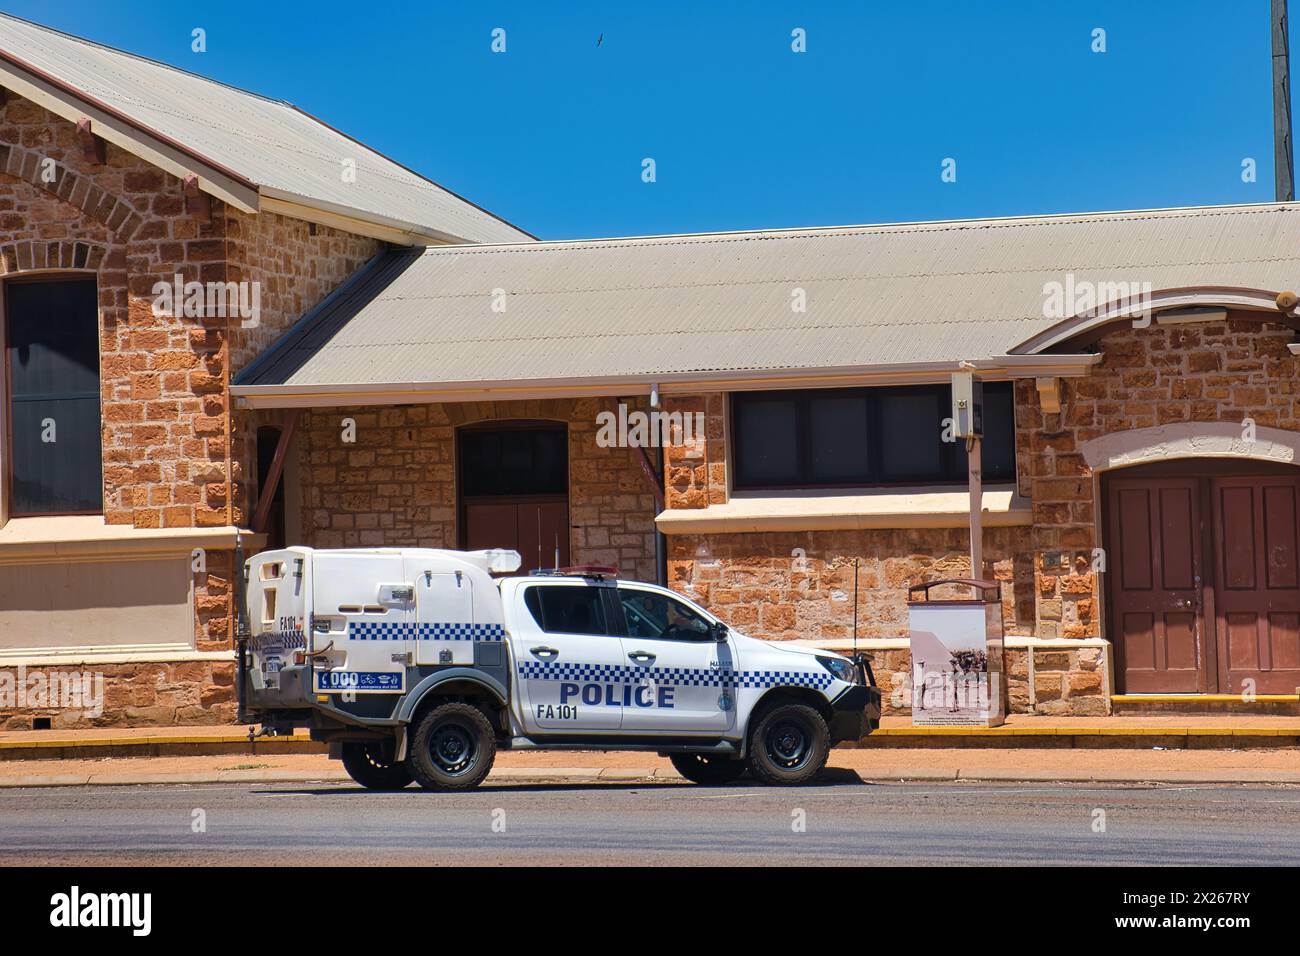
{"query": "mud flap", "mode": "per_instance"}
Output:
(399, 744)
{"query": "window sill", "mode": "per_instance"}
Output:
(1011, 641)
(88, 538)
(173, 653)
(896, 508)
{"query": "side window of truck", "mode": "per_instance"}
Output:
(559, 609)
(656, 615)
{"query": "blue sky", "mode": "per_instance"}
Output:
(744, 132)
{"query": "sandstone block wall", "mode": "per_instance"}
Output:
(396, 484)
(166, 414)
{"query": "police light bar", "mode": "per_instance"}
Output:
(597, 571)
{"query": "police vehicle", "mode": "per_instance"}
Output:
(422, 663)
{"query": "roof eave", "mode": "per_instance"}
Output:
(396, 231)
(114, 126)
(409, 393)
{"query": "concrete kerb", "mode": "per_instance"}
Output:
(611, 775)
(1062, 737)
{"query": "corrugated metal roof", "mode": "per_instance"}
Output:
(876, 296)
(267, 142)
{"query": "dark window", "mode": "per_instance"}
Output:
(268, 439)
(518, 461)
(52, 355)
(561, 609)
(998, 447)
(648, 614)
(865, 436)
(911, 435)
(769, 432)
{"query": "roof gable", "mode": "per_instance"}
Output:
(270, 147)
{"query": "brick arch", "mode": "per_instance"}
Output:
(74, 188)
(29, 255)
(1140, 446)
(550, 410)
(1259, 304)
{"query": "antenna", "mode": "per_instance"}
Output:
(856, 561)
(1283, 171)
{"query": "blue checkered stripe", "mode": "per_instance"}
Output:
(424, 631)
(444, 631)
(603, 673)
(762, 679)
(678, 676)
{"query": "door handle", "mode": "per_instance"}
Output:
(543, 651)
(641, 657)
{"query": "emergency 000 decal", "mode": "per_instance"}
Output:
(373, 682)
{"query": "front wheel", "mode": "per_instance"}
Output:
(453, 748)
(372, 766)
(707, 769)
(789, 745)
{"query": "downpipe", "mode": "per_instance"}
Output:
(241, 633)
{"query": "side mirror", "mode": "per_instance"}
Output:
(718, 631)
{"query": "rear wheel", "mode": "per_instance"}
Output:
(708, 769)
(789, 745)
(372, 766)
(453, 748)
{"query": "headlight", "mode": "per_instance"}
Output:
(841, 668)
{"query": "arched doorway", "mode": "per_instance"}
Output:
(1203, 575)
(513, 484)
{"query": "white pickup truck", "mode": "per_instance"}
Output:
(420, 664)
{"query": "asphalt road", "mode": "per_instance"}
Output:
(535, 824)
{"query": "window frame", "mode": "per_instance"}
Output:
(803, 398)
(602, 590)
(512, 425)
(619, 619)
(6, 392)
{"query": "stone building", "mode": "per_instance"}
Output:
(1139, 487)
(448, 382)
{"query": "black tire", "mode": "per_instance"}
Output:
(453, 748)
(372, 766)
(708, 769)
(788, 745)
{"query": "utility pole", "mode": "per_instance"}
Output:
(1284, 170)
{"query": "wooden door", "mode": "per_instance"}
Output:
(514, 490)
(533, 526)
(1257, 583)
(1153, 534)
